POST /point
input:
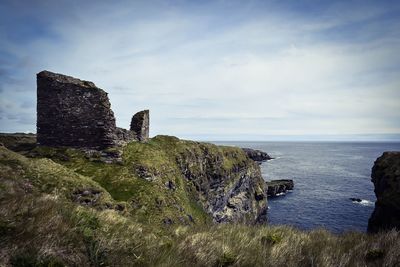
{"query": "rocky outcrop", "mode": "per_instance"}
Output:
(278, 187)
(256, 155)
(76, 113)
(386, 178)
(229, 185)
(140, 125)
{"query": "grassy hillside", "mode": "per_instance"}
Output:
(66, 207)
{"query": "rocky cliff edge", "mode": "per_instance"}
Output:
(165, 181)
(386, 178)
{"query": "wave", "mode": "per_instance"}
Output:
(274, 158)
(364, 202)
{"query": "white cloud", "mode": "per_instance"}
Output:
(268, 74)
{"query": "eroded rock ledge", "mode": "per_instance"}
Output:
(257, 155)
(386, 178)
(277, 187)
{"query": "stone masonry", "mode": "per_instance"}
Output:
(75, 113)
(140, 125)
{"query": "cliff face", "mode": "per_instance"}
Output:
(229, 184)
(386, 178)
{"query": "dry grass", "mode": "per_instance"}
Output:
(240, 245)
(45, 230)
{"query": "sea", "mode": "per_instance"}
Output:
(326, 175)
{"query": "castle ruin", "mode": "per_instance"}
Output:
(140, 124)
(76, 113)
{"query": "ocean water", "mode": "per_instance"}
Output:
(326, 175)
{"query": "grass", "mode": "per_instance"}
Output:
(42, 224)
(150, 200)
(142, 179)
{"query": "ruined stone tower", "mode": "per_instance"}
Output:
(76, 113)
(140, 125)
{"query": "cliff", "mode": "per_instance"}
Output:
(173, 181)
(228, 183)
(386, 178)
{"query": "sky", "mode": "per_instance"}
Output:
(214, 70)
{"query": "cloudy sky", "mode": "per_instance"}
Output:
(213, 70)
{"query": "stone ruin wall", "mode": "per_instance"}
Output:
(76, 113)
(140, 124)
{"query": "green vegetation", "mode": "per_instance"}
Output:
(139, 182)
(66, 207)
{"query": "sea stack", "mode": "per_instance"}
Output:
(386, 178)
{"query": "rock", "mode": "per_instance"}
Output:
(140, 125)
(386, 178)
(27, 186)
(119, 207)
(256, 155)
(190, 217)
(145, 173)
(168, 221)
(355, 199)
(277, 187)
(170, 185)
(86, 197)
